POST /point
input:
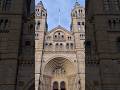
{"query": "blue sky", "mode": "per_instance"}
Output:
(65, 7)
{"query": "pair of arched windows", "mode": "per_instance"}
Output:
(69, 37)
(48, 44)
(3, 24)
(78, 13)
(81, 23)
(59, 45)
(69, 45)
(112, 5)
(5, 5)
(113, 23)
(56, 85)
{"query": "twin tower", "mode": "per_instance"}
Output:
(59, 53)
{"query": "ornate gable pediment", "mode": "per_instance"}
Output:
(59, 28)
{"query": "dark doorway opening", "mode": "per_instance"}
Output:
(62, 85)
(55, 85)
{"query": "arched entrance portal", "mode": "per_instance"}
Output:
(59, 70)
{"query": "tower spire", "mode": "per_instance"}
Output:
(40, 3)
(77, 3)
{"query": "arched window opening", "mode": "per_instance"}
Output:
(68, 38)
(27, 43)
(76, 13)
(46, 44)
(55, 36)
(71, 45)
(58, 33)
(67, 45)
(1, 22)
(55, 85)
(79, 12)
(62, 86)
(56, 46)
(73, 15)
(50, 44)
(38, 23)
(114, 22)
(62, 36)
(61, 45)
(31, 26)
(78, 23)
(83, 23)
(118, 44)
(109, 22)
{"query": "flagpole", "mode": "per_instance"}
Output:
(59, 16)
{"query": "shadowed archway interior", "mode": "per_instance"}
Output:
(32, 87)
(59, 65)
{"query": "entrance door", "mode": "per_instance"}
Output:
(62, 85)
(55, 85)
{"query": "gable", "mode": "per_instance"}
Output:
(59, 29)
(59, 34)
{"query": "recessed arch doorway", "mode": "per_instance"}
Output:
(63, 85)
(59, 69)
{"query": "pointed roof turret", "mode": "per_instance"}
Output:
(78, 10)
(40, 4)
(77, 4)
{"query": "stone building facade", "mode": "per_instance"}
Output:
(59, 53)
(16, 45)
(102, 45)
